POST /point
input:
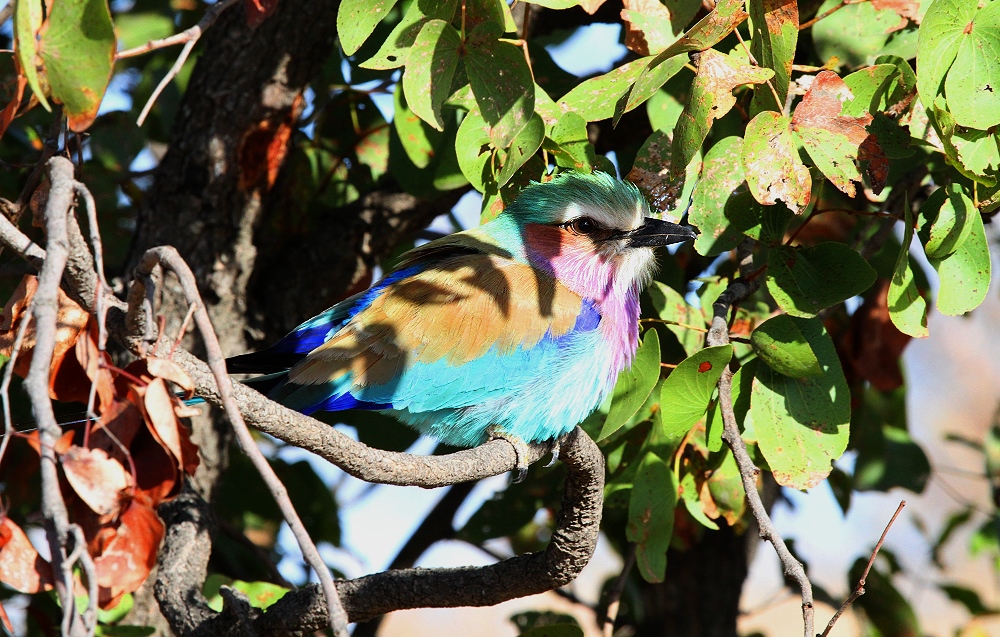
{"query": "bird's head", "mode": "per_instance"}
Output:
(593, 232)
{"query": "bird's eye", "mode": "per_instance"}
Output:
(583, 225)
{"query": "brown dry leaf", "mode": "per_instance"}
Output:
(71, 319)
(126, 559)
(62, 445)
(823, 130)
(6, 620)
(159, 405)
(100, 481)
(262, 149)
(259, 10)
(873, 344)
(591, 6)
(21, 567)
(10, 111)
(906, 10)
(169, 370)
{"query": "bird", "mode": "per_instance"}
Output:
(516, 329)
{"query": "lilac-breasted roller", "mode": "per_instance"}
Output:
(517, 328)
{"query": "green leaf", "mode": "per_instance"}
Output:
(78, 50)
(726, 488)
(974, 153)
(27, 22)
(711, 98)
(946, 221)
(685, 393)
(773, 39)
(855, 34)
(594, 99)
(891, 459)
(965, 273)
(692, 502)
(634, 384)
(973, 82)
(801, 424)
(136, 29)
(805, 281)
(968, 598)
(741, 390)
(472, 145)
(501, 82)
(356, 19)
(940, 37)
(771, 162)
(570, 144)
(419, 139)
(721, 175)
(664, 107)
(396, 48)
(672, 308)
(430, 67)
(834, 155)
(651, 516)
(779, 343)
(261, 594)
(709, 31)
(524, 145)
(907, 309)
(868, 86)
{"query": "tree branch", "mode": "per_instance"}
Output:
(44, 310)
(718, 334)
(168, 258)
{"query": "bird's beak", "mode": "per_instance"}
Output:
(654, 233)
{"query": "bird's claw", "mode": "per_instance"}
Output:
(520, 451)
(554, 448)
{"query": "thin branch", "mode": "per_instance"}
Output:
(189, 37)
(607, 622)
(859, 590)
(168, 258)
(737, 291)
(44, 309)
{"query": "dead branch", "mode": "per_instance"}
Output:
(718, 334)
(168, 258)
(859, 590)
(44, 311)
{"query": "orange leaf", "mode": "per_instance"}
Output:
(6, 620)
(169, 370)
(159, 405)
(21, 567)
(10, 111)
(62, 445)
(126, 560)
(100, 481)
(905, 9)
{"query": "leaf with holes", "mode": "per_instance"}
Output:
(430, 67)
(501, 82)
(651, 516)
(685, 394)
(393, 53)
(100, 481)
(634, 384)
(653, 174)
(837, 142)
(801, 424)
(711, 98)
(805, 281)
(78, 50)
(779, 343)
(773, 39)
(771, 162)
(973, 82)
(721, 175)
(940, 37)
(356, 19)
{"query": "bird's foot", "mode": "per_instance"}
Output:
(554, 448)
(520, 451)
